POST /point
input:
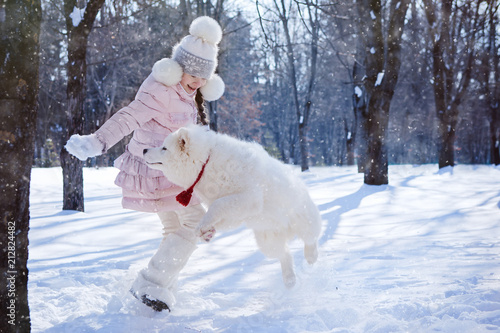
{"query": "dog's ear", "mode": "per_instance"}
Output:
(183, 139)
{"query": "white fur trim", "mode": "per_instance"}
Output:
(84, 146)
(206, 28)
(167, 71)
(213, 89)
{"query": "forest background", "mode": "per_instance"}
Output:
(329, 72)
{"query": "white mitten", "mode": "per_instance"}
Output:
(84, 146)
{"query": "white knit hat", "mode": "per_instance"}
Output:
(196, 55)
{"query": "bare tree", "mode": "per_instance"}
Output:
(312, 26)
(452, 65)
(493, 86)
(412, 125)
(78, 29)
(339, 34)
(19, 59)
(239, 111)
(274, 97)
(382, 63)
(283, 10)
(52, 97)
(489, 76)
(359, 101)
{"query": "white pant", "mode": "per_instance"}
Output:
(159, 280)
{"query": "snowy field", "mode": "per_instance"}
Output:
(419, 255)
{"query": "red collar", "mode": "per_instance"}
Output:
(185, 196)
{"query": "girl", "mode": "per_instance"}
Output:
(170, 98)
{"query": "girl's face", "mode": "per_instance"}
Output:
(191, 83)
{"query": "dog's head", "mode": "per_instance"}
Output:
(181, 155)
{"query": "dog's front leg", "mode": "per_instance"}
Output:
(229, 212)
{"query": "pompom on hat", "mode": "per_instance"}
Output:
(196, 55)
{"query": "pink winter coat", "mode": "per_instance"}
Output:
(157, 111)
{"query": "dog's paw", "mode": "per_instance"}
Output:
(311, 253)
(289, 280)
(206, 234)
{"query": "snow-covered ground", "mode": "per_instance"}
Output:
(419, 255)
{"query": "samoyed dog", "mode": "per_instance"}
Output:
(240, 183)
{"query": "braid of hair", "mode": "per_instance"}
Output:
(200, 103)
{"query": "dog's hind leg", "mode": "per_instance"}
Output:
(311, 252)
(309, 235)
(273, 245)
(307, 226)
(287, 269)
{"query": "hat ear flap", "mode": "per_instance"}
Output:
(167, 71)
(213, 89)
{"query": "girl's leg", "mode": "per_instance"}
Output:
(170, 222)
(156, 285)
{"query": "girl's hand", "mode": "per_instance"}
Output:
(84, 146)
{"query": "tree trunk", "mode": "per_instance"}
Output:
(450, 66)
(76, 92)
(293, 82)
(377, 163)
(447, 130)
(495, 145)
(382, 70)
(212, 115)
(19, 59)
(304, 156)
(495, 130)
(442, 84)
(350, 140)
(304, 118)
(494, 89)
(359, 106)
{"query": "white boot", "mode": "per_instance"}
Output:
(158, 281)
(155, 286)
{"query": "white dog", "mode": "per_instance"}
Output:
(240, 183)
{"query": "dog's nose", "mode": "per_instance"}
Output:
(144, 151)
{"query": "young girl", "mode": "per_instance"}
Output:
(170, 98)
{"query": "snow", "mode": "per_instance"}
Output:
(2, 14)
(418, 255)
(77, 15)
(380, 77)
(358, 91)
